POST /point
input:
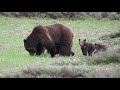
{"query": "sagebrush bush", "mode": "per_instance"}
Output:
(114, 16)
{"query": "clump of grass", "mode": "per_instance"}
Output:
(111, 36)
(105, 71)
(115, 35)
(105, 37)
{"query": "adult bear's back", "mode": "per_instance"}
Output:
(59, 31)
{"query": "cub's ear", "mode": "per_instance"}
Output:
(24, 40)
(85, 40)
(79, 39)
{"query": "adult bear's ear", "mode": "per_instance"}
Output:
(24, 40)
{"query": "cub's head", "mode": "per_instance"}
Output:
(83, 46)
(82, 43)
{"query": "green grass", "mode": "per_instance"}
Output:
(14, 58)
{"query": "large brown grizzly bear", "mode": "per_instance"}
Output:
(57, 39)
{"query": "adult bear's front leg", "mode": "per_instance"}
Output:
(39, 50)
(64, 51)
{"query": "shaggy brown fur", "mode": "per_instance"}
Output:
(55, 38)
(99, 47)
(87, 48)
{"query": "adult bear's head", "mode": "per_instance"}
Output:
(29, 46)
(39, 36)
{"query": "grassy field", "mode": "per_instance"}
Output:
(16, 62)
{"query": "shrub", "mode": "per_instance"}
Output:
(70, 15)
(114, 16)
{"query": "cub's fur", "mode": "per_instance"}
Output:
(89, 48)
(99, 47)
